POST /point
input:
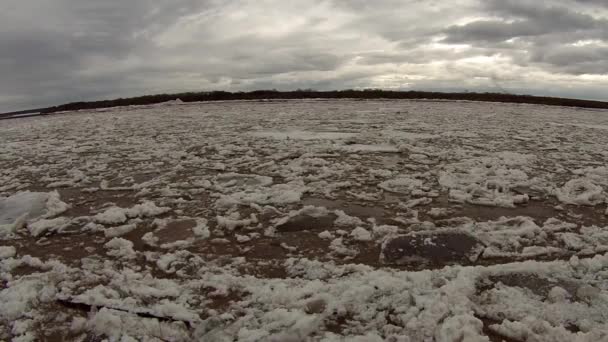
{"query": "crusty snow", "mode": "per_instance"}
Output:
(308, 220)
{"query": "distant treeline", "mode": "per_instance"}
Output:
(336, 94)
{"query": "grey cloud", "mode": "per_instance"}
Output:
(493, 31)
(53, 51)
(575, 59)
(544, 35)
(552, 14)
(525, 19)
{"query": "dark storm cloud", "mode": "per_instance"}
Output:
(526, 19)
(53, 51)
(546, 32)
(575, 60)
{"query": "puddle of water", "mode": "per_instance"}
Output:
(175, 231)
(306, 222)
(535, 283)
(539, 211)
(85, 204)
(428, 248)
(68, 248)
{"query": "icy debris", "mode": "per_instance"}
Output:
(120, 230)
(580, 191)
(409, 135)
(41, 226)
(105, 185)
(488, 181)
(26, 206)
(112, 215)
(178, 243)
(175, 311)
(384, 230)
(416, 202)
(165, 261)
(558, 295)
(487, 197)
(315, 306)
(555, 225)
(279, 194)
(532, 251)
(307, 218)
(507, 235)
(201, 230)
(54, 205)
(146, 209)
(535, 329)
(288, 247)
(587, 293)
(369, 148)
(121, 326)
(326, 235)
(242, 181)
(439, 212)
(7, 252)
(572, 241)
(464, 327)
(303, 135)
(77, 177)
(513, 158)
(242, 238)
(117, 215)
(17, 299)
(234, 221)
(120, 248)
(338, 247)
(361, 234)
(403, 185)
(381, 173)
(150, 239)
(344, 220)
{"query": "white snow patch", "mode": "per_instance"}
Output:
(326, 235)
(401, 185)
(120, 230)
(116, 215)
(43, 225)
(121, 248)
(234, 221)
(361, 234)
(18, 209)
(580, 191)
(7, 252)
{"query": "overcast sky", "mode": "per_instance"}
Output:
(55, 51)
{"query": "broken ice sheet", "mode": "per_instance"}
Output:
(191, 222)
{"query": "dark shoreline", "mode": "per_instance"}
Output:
(367, 94)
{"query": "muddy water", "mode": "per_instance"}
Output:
(431, 249)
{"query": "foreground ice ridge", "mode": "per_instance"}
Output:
(362, 303)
